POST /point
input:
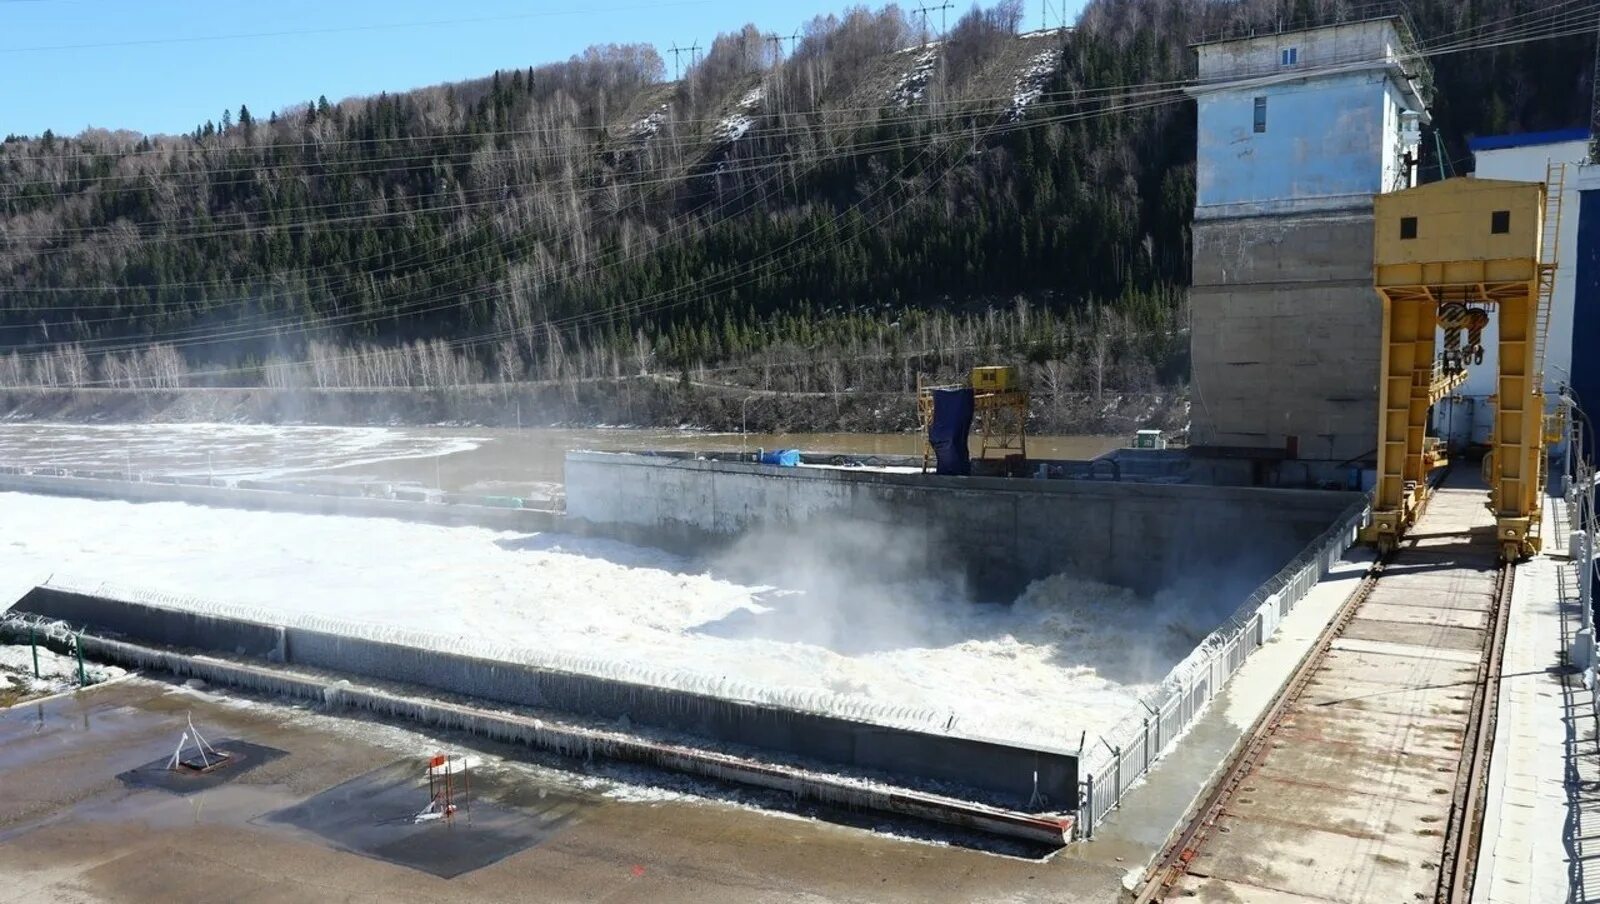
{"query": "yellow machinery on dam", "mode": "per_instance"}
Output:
(1000, 407)
(1453, 254)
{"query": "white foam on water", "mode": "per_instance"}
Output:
(1070, 656)
(236, 451)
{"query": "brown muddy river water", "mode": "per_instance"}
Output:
(489, 461)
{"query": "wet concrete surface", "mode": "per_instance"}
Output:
(228, 760)
(376, 815)
(326, 821)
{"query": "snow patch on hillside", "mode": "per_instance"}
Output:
(646, 128)
(914, 84)
(1031, 81)
(734, 126)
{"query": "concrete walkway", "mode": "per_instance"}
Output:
(1350, 801)
(1541, 834)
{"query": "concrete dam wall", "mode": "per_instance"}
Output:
(1004, 533)
(915, 757)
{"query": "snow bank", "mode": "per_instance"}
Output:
(56, 672)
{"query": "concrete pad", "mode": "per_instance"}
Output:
(1433, 593)
(238, 758)
(1373, 733)
(1211, 890)
(1450, 701)
(1407, 650)
(1424, 636)
(1358, 776)
(1348, 811)
(374, 815)
(70, 832)
(1317, 864)
(1425, 615)
(1366, 662)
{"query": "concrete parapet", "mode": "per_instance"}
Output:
(1003, 532)
(1006, 774)
(580, 741)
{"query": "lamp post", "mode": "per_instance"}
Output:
(744, 407)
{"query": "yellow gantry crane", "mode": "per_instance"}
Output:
(1453, 254)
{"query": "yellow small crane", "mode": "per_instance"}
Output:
(1000, 412)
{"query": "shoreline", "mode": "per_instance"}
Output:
(638, 403)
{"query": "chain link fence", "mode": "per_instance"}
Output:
(1121, 756)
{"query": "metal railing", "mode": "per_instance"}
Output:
(1122, 756)
(1582, 498)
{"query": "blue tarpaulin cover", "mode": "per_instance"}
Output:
(947, 434)
(783, 458)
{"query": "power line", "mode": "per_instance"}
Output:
(636, 307)
(345, 29)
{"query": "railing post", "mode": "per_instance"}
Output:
(1088, 807)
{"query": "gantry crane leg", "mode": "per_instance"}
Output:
(1404, 399)
(1518, 432)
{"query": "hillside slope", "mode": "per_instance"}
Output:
(865, 209)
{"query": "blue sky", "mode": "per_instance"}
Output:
(169, 65)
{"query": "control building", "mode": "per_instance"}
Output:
(1298, 131)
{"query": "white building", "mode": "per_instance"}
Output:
(1312, 120)
(1469, 416)
(1297, 132)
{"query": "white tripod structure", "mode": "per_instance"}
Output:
(201, 746)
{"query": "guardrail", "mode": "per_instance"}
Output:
(1122, 756)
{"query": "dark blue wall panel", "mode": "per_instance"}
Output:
(1586, 312)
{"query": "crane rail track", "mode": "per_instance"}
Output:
(1464, 825)
(1466, 809)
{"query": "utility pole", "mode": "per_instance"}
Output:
(944, 15)
(677, 69)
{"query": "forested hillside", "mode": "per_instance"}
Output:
(864, 208)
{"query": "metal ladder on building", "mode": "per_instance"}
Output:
(1555, 180)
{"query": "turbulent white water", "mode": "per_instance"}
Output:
(257, 451)
(1070, 656)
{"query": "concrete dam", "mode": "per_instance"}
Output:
(1126, 598)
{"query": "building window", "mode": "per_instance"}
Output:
(1291, 56)
(1261, 114)
(1408, 227)
(1500, 222)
